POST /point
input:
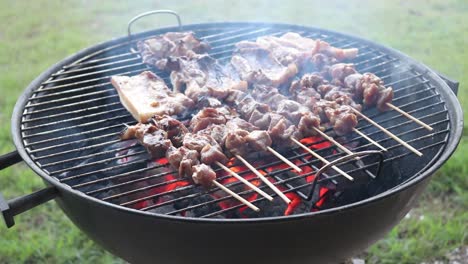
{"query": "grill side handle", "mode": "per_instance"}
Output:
(10, 208)
(153, 12)
(450, 82)
(9, 159)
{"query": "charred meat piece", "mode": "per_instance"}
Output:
(322, 62)
(260, 120)
(203, 175)
(292, 110)
(150, 136)
(307, 124)
(336, 102)
(287, 119)
(258, 140)
(268, 95)
(202, 76)
(292, 48)
(174, 128)
(337, 53)
(182, 159)
(211, 154)
(281, 129)
(159, 50)
(236, 142)
(238, 123)
(146, 95)
(258, 66)
(208, 102)
(217, 132)
(342, 118)
(308, 97)
(341, 97)
(321, 106)
(197, 141)
(155, 141)
(206, 117)
(248, 105)
(305, 90)
(307, 81)
(338, 72)
(385, 96)
(283, 140)
(371, 89)
(353, 82)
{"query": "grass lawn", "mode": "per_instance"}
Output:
(36, 34)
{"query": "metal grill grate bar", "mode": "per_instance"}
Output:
(78, 126)
(84, 157)
(103, 78)
(66, 67)
(114, 135)
(36, 119)
(135, 59)
(376, 65)
(73, 135)
(79, 76)
(69, 91)
(74, 119)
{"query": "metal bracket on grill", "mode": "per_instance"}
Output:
(342, 160)
(10, 208)
(133, 20)
(21, 204)
(9, 159)
(450, 82)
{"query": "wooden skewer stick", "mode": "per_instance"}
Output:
(246, 182)
(332, 140)
(369, 139)
(390, 134)
(285, 160)
(264, 179)
(321, 158)
(421, 123)
(238, 197)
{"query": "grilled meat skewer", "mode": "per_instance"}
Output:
(159, 51)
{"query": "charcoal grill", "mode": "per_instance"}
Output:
(66, 124)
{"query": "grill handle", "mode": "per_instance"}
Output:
(450, 82)
(342, 160)
(9, 159)
(153, 12)
(10, 208)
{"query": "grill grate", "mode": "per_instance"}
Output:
(72, 121)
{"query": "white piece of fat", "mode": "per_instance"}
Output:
(146, 95)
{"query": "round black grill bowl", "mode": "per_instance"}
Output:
(326, 236)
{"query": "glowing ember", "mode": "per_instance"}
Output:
(322, 199)
(248, 175)
(312, 140)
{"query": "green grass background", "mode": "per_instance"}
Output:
(36, 34)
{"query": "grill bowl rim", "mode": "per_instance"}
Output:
(453, 106)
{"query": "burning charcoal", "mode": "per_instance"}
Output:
(166, 208)
(202, 210)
